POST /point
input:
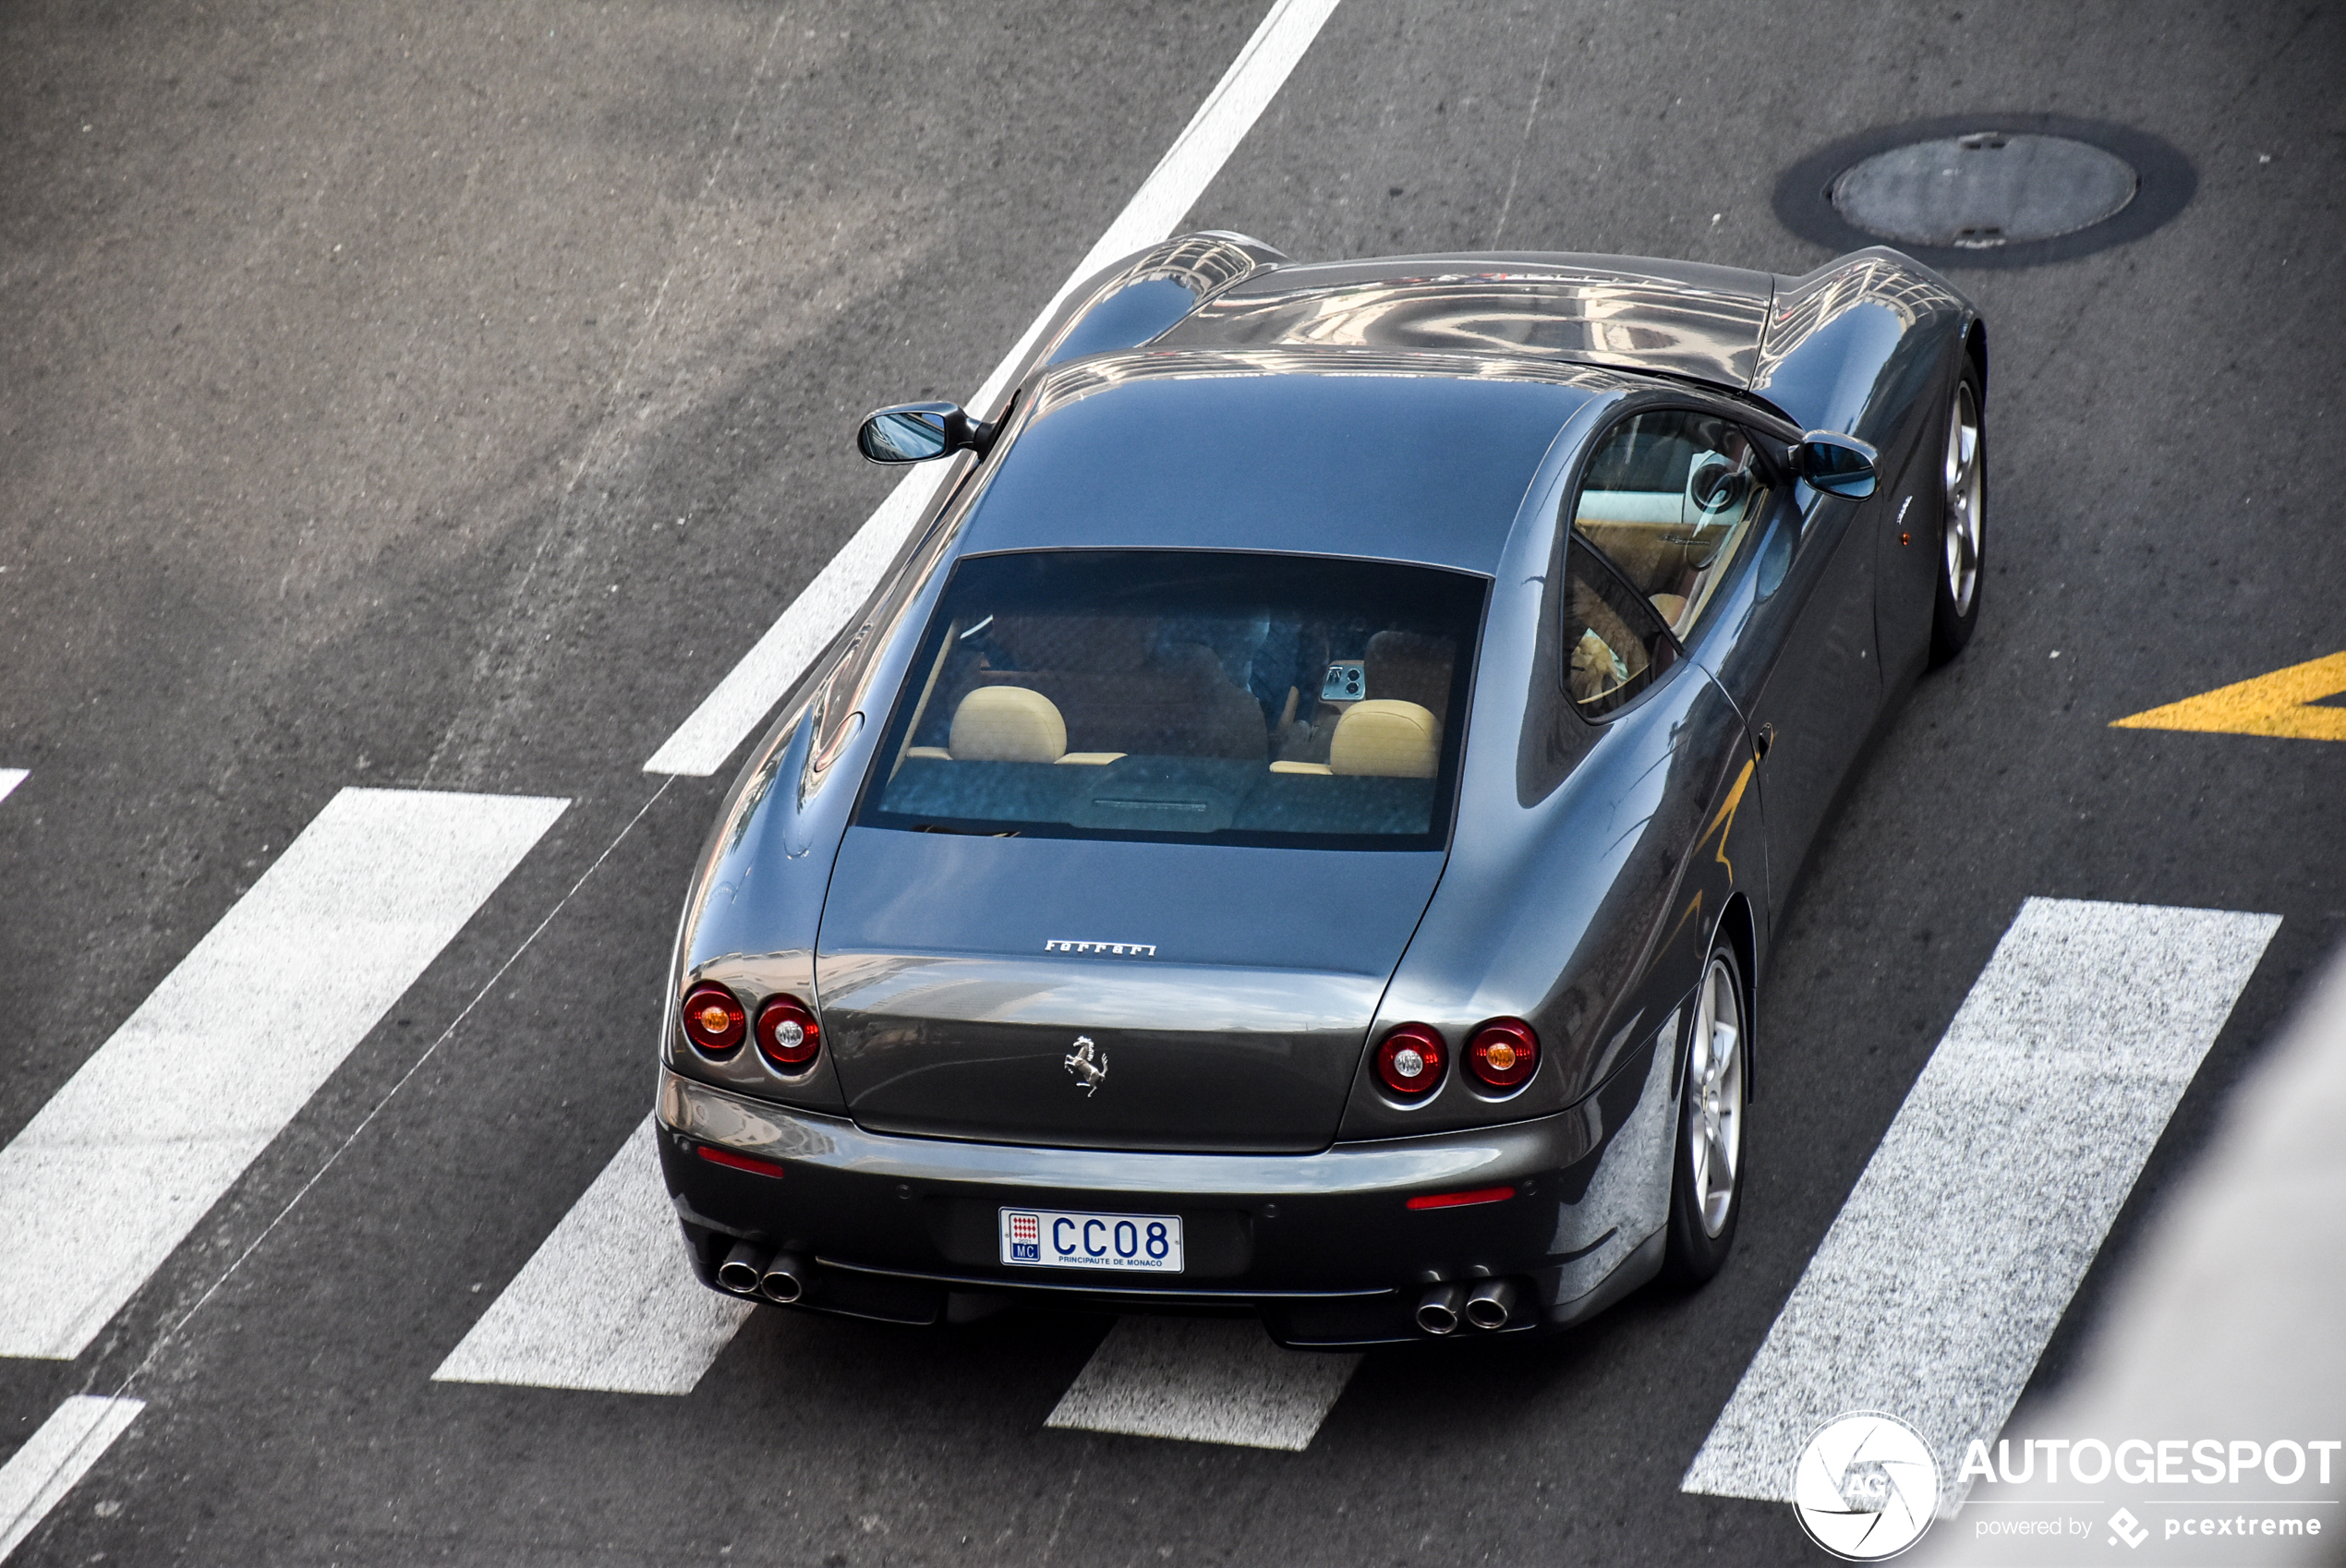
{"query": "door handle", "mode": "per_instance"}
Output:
(1761, 740)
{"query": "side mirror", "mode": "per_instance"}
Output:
(1837, 465)
(915, 432)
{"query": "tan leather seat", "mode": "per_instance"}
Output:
(1007, 724)
(1385, 738)
(1174, 706)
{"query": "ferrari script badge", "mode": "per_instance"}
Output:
(1088, 1063)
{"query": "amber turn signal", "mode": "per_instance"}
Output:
(1502, 1053)
(713, 1019)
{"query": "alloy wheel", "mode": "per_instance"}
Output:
(1714, 1096)
(1965, 501)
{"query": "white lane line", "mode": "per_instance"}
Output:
(10, 778)
(1947, 1270)
(749, 690)
(1203, 1379)
(55, 1458)
(117, 1169)
(609, 1301)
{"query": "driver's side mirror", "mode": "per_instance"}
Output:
(915, 432)
(1837, 465)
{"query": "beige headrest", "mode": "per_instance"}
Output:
(1384, 738)
(1007, 724)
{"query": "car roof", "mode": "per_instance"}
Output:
(1420, 457)
(1684, 319)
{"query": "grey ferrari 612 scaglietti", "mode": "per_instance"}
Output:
(1300, 828)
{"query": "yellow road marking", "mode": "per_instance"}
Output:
(2280, 703)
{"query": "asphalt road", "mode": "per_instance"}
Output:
(446, 398)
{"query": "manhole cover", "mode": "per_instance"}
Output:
(1985, 189)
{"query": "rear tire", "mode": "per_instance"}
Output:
(1707, 1164)
(1962, 519)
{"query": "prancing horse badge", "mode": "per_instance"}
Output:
(1088, 1063)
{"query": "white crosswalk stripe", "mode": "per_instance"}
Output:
(608, 1301)
(53, 1460)
(749, 690)
(114, 1171)
(1947, 1270)
(9, 778)
(1203, 1379)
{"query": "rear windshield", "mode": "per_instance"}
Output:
(1189, 695)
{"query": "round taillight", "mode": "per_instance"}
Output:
(713, 1019)
(1410, 1060)
(787, 1033)
(1502, 1053)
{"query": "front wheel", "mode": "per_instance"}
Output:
(1962, 522)
(1706, 1185)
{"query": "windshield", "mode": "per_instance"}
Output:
(1191, 695)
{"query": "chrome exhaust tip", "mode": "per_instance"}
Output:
(742, 1267)
(1438, 1309)
(784, 1278)
(1492, 1304)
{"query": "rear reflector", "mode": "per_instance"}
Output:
(732, 1161)
(1449, 1199)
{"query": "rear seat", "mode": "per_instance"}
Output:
(1178, 707)
(1008, 724)
(1380, 738)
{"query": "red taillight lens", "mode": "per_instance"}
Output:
(713, 1019)
(1502, 1053)
(1410, 1061)
(787, 1033)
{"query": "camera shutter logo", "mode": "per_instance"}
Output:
(1865, 1487)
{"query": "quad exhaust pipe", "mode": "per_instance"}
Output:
(1438, 1309)
(1492, 1304)
(751, 1270)
(784, 1278)
(742, 1268)
(1489, 1306)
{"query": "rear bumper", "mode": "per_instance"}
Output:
(1323, 1246)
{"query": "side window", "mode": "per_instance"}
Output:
(1669, 499)
(1614, 642)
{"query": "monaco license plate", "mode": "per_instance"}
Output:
(1052, 1238)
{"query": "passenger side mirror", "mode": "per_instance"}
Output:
(915, 432)
(1837, 465)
